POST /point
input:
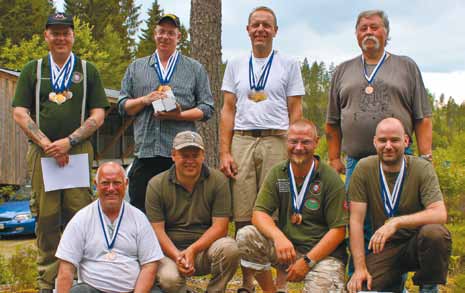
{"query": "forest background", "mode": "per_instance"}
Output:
(107, 34)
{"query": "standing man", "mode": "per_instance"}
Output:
(262, 94)
(156, 77)
(61, 90)
(189, 206)
(369, 88)
(110, 242)
(401, 195)
(309, 238)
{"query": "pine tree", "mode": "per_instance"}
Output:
(147, 43)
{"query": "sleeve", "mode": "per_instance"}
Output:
(153, 201)
(126, 91)
(96, 97)
(295, 85)
(430, 191)
(203, 95)
(267, 198)
(333, 113)
(148, 247)
(222, 198)
(357, 185)
(228, 78)
(25, 91)
(336, 210)
(71, 246)
(421, 104)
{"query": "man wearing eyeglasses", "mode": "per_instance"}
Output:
(308, 240)
(165, 93)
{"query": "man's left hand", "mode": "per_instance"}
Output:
(58, 147)
(381, 236)
(297, 271)
(186, 262)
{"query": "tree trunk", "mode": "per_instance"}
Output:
(205, 33)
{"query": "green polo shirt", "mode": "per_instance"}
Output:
(187, 215)
(325, 206)
(59, 121)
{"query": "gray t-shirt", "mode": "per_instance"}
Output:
(398, 92)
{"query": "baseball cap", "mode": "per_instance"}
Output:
(172, 18)
(60, 18)
(187, 138)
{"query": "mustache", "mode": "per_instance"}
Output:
(370, 38)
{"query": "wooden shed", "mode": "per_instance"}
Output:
(113, 141)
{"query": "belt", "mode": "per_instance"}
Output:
(260, 132)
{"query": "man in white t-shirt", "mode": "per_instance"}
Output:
(262, 94)
(110, 242)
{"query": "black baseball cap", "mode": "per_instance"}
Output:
(60, 18)
(171, 18)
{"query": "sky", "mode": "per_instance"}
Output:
(431, 32)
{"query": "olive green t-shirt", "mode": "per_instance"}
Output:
(419, 190)
(59, 121)
(187, 215)
(325, 206)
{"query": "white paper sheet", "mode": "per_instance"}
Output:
(75, 174)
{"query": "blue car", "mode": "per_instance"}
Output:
(16, 218)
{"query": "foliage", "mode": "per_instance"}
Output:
(15, 56)
(147, 44)
(20, 270)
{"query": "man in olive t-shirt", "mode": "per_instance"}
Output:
(68, 100)
(189, 206)
(401, 194)
(308, 240)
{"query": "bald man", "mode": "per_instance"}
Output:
(108, 239)
(401, 195)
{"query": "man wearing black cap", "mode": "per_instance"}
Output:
(165, 92)
(62, 91)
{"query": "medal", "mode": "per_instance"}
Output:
(390, 199)
(298, 199)
(61, 78)
(165, 74)
(110, 255)
(369, 89)
(257, 93)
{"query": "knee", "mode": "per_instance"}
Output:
(245, 234)
(169, 279)
(230, 250)
(434, 233)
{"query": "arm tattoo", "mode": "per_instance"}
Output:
(86, 130)
(33, 131)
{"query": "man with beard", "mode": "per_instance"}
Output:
(308, 241)
(401, 195)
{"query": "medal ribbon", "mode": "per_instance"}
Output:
(375, 71)
(260, 85)
(164, 75)
(61, 77)
(391, 200)
(111, 244)
(297, 199)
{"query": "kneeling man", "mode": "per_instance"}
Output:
(400, 196)
(308, 241)
(189, 206)
(110, 242)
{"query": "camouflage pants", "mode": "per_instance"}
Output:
(258, 253)
(53, 210)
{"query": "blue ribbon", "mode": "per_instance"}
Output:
(298, 209)
(64, 74)
(389, 209)
(263, 77)
(172, 63)
(375, 71)
(112, 244)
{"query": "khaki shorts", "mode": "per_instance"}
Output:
(254, 156)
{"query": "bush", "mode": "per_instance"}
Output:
(20, 270)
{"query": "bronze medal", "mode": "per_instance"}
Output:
(294, 218)
(110, 256)
(68, 95)
(369, 90)
(299, 219)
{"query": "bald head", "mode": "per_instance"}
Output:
(392, 123)
(304, 124)
(109, 167)
(390, 142)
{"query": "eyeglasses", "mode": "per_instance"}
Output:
(305, 142)
(168, 33)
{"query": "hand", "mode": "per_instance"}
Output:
(337, 165)
(228, 166)
(285, 251)
(381, 236)
(185, 262)
(153, 96)
(358, 278)
(58, 147)
(171, 115)
(297, 271)
(62, 160)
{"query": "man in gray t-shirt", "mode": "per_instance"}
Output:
(369, 88)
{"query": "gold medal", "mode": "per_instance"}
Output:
(164, 88)
(110, 256)
(60, 98)
(369, 90)
(257, 96)
(51, 97)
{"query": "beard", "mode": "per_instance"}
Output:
(370, 38)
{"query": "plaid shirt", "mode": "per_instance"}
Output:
(191, 87)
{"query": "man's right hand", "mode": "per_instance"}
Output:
(62, 159)
(153, 96)
(285, 251)
(337, 165)
(358, 278)
(228, 166)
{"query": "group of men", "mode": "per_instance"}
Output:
(290, 208)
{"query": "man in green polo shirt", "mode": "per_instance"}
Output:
(67, 98)
(308, 241)
(189, 206)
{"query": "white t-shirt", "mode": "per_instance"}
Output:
(83, 244)
(285, 80)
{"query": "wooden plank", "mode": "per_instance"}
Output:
(116, 137)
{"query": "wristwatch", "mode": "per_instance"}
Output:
(428, 157)
(72, 141)
(310, 263)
